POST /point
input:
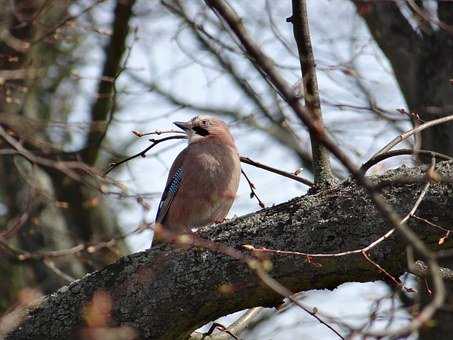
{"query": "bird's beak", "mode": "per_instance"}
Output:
(185, 126)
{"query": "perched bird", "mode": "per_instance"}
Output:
(203, 179)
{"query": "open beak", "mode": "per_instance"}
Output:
(185, 126)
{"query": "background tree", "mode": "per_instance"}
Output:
(45, 209)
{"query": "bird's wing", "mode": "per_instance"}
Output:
(171, 188)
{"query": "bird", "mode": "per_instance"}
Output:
(203, 180)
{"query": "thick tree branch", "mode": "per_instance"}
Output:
(193, 286)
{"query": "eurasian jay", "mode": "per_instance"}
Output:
(203, 179)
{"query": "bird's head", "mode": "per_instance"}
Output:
(206, 128)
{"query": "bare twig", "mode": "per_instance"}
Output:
(432, 224)
(238, 326)
(252, 189)
(249, 161)
(379, 158)
(396, 281)
(243, 159)
(209, 334)
(142, 153)
(68, 168)
(26, 256)
(155, 132)
(410, 132)
(51, 265)
(65, 21)
(429, 18)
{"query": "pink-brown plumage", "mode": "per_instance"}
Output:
(203, 179)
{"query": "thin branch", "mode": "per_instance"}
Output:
(249, 161)
(208, 335)
(243, 159)
(68, 168)
(237, 327)
(141, 153)
(396, 281)
(380, 157)
(51, 265)
(85, 248)
(411, 132)
(283, 291)
(65, 21)
(252, 189)
(322, 169)
(429, 18)
(432, 224)
(156, 132)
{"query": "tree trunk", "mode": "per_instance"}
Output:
(423, 66)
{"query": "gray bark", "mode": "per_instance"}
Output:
(422, 65)
(167, 292)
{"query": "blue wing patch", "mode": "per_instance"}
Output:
(169, 193)
(176, 181)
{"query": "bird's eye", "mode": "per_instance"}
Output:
(200, 131)
(205, 122)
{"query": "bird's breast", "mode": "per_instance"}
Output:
(216, 172)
